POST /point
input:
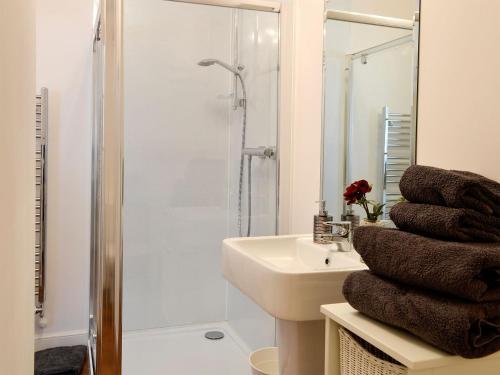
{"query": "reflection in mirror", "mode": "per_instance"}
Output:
(370, 97)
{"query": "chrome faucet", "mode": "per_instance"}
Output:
(340, 235)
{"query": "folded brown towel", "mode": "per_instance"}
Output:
(458, 189)
(466, 270)
(456, 224)
(471, 330)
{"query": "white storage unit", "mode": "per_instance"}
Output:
(418, 357)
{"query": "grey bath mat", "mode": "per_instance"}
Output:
(60, 361)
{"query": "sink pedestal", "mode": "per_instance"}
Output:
(301, 347)
(290, 277)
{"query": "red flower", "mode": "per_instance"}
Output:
(363, 186)
(356, 191)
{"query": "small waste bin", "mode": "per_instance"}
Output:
(265, 361)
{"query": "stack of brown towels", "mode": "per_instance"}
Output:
(438, 276)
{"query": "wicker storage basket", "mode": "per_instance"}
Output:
(358, 357)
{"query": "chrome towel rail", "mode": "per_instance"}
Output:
(397, 154)
(41, 127)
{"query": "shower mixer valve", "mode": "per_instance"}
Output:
(260, 152)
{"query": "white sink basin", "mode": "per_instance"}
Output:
(288, 276)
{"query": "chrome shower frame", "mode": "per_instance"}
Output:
(105, 310)
(260, 5)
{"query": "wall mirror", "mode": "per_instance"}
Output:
(370, 98)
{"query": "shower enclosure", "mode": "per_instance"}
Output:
(197, 163)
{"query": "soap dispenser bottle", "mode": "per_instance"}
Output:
(321, 230)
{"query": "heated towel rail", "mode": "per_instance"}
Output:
(41, 126)
(397, 154)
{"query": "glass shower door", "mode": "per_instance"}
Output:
(201, 97)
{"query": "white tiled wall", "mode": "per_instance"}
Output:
(182, 147)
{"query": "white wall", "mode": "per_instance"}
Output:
(305, 107)
(459, 93)
(64, 57)
(17, 190)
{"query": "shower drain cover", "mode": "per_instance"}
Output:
(214, 335)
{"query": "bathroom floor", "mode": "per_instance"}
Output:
(184, 351)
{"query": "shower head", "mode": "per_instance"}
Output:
(209, 62)
(206, 62)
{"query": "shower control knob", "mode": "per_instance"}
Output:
(269, 153)
(260, 152)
